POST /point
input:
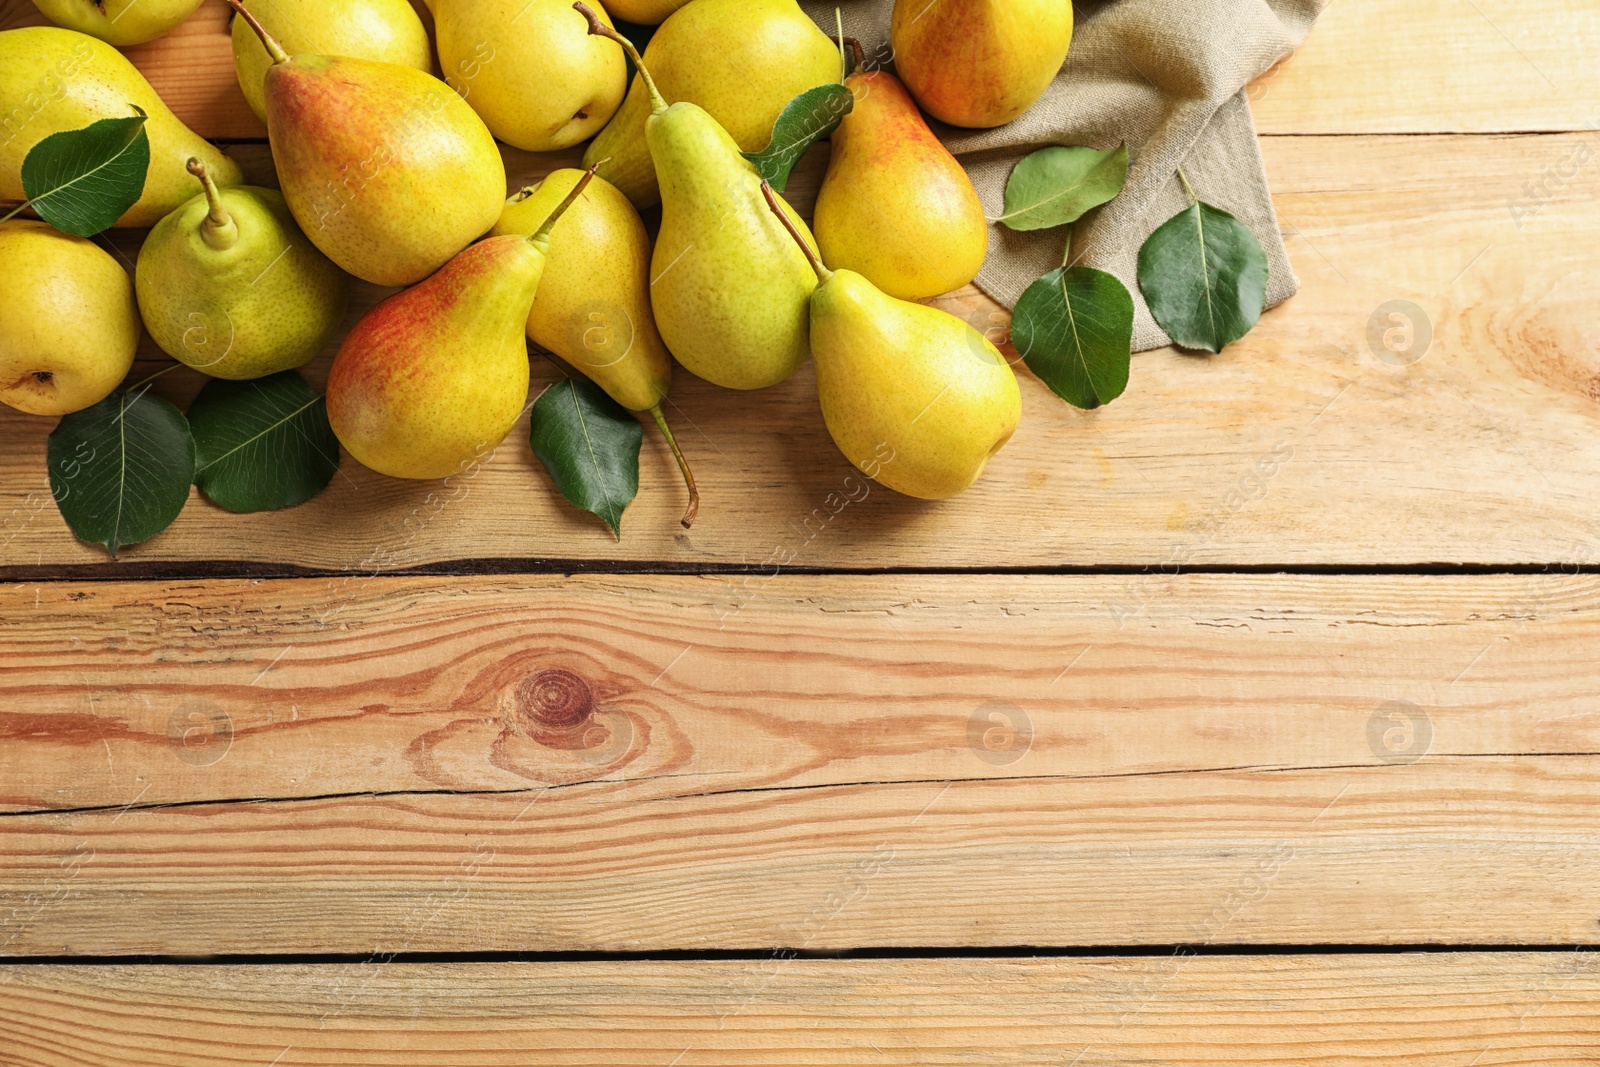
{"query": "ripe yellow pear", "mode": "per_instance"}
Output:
(895, 205)
(388, 31)
(432, 379)
(644, 12)
(230, 286)
(53, 80)
(979, 63)
(593, 306)
(118, 22)
(740, 60)
(69, 326)
(530, 69)
(916, 398)
(728, 286)
(385, 168)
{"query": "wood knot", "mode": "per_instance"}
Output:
(555, 699)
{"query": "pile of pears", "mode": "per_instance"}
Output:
(393, 175)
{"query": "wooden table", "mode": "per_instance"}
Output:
(1251, 719)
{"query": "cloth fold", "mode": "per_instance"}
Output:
(1166, 76)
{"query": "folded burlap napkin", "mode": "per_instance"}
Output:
(1167, 77)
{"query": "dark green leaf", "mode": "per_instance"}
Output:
(1204, 275)
(1055, 186)
(262, 444)
(813, 114)
(81, 181)
(120, 471)
(1074, 328)
(590, 445)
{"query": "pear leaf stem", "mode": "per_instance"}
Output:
(219, 230)
(1187, 187)
(14, 212)
(683, 465)
(658, 103)
(274, 49)
(542, 234)
(823, 273)
(1066, 257)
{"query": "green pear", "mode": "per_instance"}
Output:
(728, 286)
(430, 381)
(740, 60)
(53, 80)
(487, 48)
(230, 286)
(388, 31)
(593, 307)
(914, 397)
(895, 205)
(979, 63)
(68, 323)
(118, 22)
(386, 169)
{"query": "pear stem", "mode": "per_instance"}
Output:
(683, 465)
(274, 49)
(542, 234)
(219, 230)
(823, 273)
(658, 103)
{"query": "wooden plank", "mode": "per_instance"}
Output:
(375, 764)
(1338, 1011)
(1427, 66)
(1297, 446)
(1438, 66)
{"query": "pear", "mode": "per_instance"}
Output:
(386, 169)
(388, 31)
(728, 286)
(740, 60)
(230, 286)
(68, 323)
(430, 381)
(895, 206)
(487, 48)
(914, 397)
(644, 12)
(979, 63)
(53, 80)
(118, 22)
(593, 306)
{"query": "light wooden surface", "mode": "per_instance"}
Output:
(628, 762)
(1335, 1011)
(366, 762)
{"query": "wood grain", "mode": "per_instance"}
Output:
(1338, 1011)
(1438, 66)
(1484, 451)
(374, 764)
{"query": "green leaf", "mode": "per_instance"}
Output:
(1074, 328)
(590, 445)
(813, 114)
(81, 181)
(1204, 275)
(262, 444)
(120, 470)
(1055, 186)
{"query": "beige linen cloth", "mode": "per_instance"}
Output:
(1167, 77)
